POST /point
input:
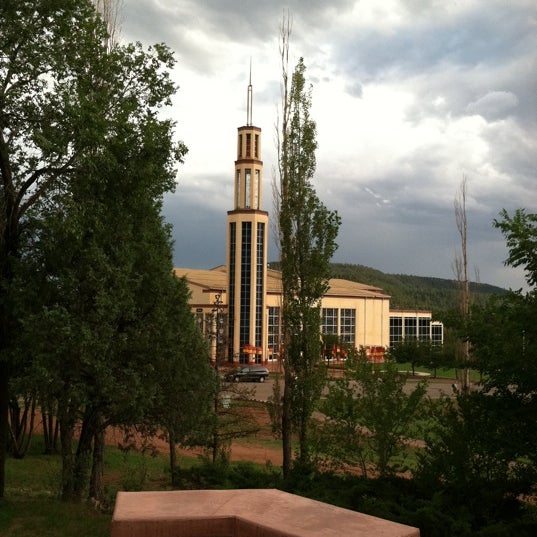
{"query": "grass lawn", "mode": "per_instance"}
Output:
(32, 506)
(440, 372)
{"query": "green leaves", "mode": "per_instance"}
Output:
(85, 162)
(368, 414)
(520, 232)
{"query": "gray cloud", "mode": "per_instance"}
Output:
(474, 65)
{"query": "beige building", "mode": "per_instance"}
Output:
(237, 305)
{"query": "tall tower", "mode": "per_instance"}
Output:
(247, 231)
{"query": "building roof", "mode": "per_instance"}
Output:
(216, 279)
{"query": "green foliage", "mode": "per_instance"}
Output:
(274, 408)
(85, 162)
(520, 232)
(368, 414)
(308, 231)
(471, 460)
(226, 475)
(417, 353)
(480, 456)
(185, 383)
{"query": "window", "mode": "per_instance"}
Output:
(330, 321)
(273, 332)
(231, 288)
(238, 189)
(257, 184)
(246, 278)
(256, 146)
(260, 272)
(424, 328)
(348, 326)
(437, 333)
(239, 149)
(410, 328)
(248, 145)
(199, 320)
(396, 330)
(247, 187)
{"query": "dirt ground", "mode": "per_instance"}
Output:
(253, 448)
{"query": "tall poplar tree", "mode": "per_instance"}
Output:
(307, 235)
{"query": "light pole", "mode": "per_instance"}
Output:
(219, 327)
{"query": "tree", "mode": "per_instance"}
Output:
(84, 163)
(461, 272)
(36, 139)
(185, 381)
(414, 352)
(520, 232)
(484, 444)
(307, 233)
(368, 414)
(504, 334)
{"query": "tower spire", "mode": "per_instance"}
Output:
(249, 99)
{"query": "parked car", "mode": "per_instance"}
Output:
(251, 373)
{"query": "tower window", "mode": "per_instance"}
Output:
(238, 190)
(247, 187)
(239, 148)
(256, 190)
(248, 145)
(256, 146)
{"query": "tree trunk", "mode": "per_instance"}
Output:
(66, 440)
(22, 426)
(50, 428)
(83, 458)
(4, 425)
(287, 425)
(173, 457)
(96, 489)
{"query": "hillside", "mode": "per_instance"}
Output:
(413, 292)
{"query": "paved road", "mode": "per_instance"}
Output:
(435, 388)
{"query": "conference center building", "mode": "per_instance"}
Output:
(238, 304)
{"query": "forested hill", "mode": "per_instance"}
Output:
(413, 292)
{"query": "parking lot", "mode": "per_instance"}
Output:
(435, 388)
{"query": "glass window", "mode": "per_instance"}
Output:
(411, 328)
(238, 189)
(330, 321)
(348, 325)
(247, 187)
(257, 185)
(260, 272)
(248, 145)
(396, 330)
(231, 288)
(424, 328)
(273, 332)
(246, 278)
(437, 333)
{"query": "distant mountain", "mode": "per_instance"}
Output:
(414, 292)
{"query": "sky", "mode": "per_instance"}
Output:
(409, 98)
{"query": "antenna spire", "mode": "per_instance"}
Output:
(249, 99)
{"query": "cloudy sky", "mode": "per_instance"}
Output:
(409, 97)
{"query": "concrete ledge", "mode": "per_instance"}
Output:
(242, 513)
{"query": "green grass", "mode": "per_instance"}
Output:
(49, 517)
(445, 373)
(32, 506)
